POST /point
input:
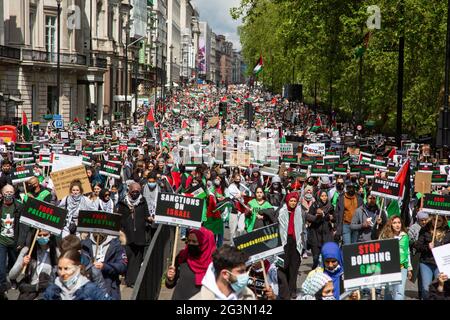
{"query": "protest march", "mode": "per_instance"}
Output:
(230, 209)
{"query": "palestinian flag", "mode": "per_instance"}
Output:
(259, 66)
(184, 124)
(46, 160)
(282, 136)
(404, 178)
(175, 178)
(392, 154)
(317, 125)
(25, 130)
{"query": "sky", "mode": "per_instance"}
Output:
(217, 14)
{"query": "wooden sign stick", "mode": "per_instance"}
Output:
(374, 294)
(435, 227)
(97, 241)
(174, 253)
(31, 249)
(423, 196)
(266, 283)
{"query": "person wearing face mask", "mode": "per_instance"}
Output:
(320, 217)
(226, 277)
(71, 283)
(73, 203)
(191, 264)
(336, 191)
(13, 235)
(135, 223)
(37, 191)
(105, 203)
(111, 260)
(291, 228)
(333, 266)
(317, 286)
(276, 192)
(40, 265)
(364, 221)
(348, 202)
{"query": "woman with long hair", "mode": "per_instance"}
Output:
(424, 245)
(394, 229)
(256, 220)
(40, 265)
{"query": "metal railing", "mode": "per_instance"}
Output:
(10, 52)
(43, 56)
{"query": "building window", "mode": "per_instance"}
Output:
(50, 37)
(52, 98)
(34, 103)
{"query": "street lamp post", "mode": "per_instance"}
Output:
(58, 66)
(171, 61)
(127, 34)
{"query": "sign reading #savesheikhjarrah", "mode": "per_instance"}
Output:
(99, 221)
(438, 204)
(386, 189)
(260, 243)
(175, 209)
(371, 264)
(42, 215)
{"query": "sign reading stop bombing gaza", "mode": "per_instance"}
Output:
(42, 215)
(371, 264)
(99, 221)
(436, 204)
(174, 209)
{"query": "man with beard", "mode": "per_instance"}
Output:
(346, 207)
(6, 174)
(364, 219)
(37, 191)
(336, 191)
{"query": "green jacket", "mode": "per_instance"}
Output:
(256, 207)
(404, 250)
(42, 195)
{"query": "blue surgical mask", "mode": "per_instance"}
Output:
(43, 240)
(72, 281)
(336, 269)
(240, 283)
(152, 185)
(329, 298)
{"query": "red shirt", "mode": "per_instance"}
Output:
(291, 230)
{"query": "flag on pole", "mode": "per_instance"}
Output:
(259, 66)
(317, 125)
(25, 130)
(392, 154)
(404, 178)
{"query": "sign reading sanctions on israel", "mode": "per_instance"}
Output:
(179, 210)
(371, 264)
(42, 215)
(99, 221)
(260, 243)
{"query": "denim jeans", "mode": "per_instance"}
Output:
(428, 272)
(397, 291)
(349, 236)
(8, 256)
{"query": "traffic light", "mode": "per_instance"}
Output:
(223, 113)
(88, 114)
(94, 112)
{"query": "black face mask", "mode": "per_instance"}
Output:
(351, 192)
(135, 195)
(194, 250)
(340, 186)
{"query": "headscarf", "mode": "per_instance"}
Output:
(313, 284)
(199, 265)
(331, 250)
(291, 195)
(324, 206)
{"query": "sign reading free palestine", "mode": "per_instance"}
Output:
(99, 221)
(42, 215)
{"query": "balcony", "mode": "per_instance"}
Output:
(10, 52)
(98, 62)
(43, 56)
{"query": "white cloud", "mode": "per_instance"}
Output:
(217, 14)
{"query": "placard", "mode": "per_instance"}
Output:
(42, 215)
(260, 243)
(320, 171)
(21, 174)
(367, 171)
(314, 149)
(289, 159)
(286, 149)
(175, 209)
(62, 179)
(99, 221)
(385, 188)
(439, 180)
(422, 182)
(441, 255)
(371, 264)
(436, 204)
(340, 169)
(331, 160)
(379, 162)
(110, 169)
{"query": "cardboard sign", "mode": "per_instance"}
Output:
(99, 221)
(110, 169)
(212, 122)
(174, 209)
(371, 264)
(439, 180)
(22, 174)
(320, 171)
(436, 204)
(62, 179)
(286, 149)
(386, 189)
(62, 161)
(42, 215)
(261, 243)
(422, 182)
(340, 169)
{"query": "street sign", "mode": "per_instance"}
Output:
(57, 124)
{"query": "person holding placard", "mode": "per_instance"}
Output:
(441, 235)
(40, 266)
(71, 283)
(13, 234)
(255, 219)
(111, 260)
(394, 229)
(291, 226)
(366, 220)
(440, 289)
(73, 203)
(191, 264)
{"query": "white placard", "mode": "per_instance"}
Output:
(441, 255)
